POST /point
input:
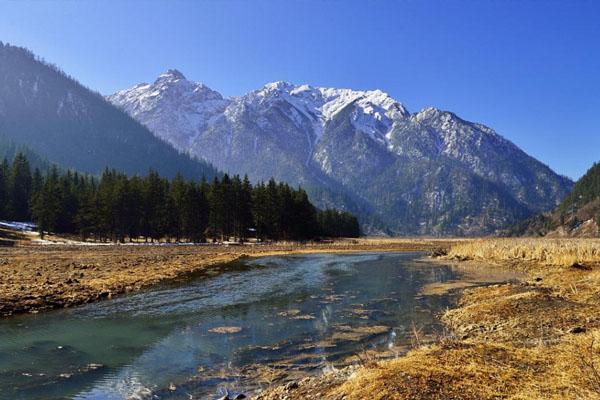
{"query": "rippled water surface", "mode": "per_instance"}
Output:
(297, 313)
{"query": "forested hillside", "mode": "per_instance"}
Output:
(578, 215)
(117, 207)
(586, 190)
(9, 150)
(51, 113)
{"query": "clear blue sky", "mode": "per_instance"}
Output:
(530, 70)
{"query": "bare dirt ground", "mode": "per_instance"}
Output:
(538, 338)
(35, 278)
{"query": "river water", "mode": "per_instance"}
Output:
(232, 332)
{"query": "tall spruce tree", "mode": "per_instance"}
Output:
(46, 203)
(117, 207)
(20, 188)
(178, 207)
(4, 194)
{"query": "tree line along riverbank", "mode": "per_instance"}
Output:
(117, 207)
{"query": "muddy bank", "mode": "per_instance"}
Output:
(536, 338)
(39, 278)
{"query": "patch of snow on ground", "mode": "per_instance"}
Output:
(19, 226)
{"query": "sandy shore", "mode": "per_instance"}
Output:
(39, 278)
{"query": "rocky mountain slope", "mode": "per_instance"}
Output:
(429, 172)
(577, 216)
(52, 114)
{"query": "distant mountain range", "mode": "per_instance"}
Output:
(577, 216)
(429, 172)
(53, 115)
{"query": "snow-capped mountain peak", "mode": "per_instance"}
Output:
(173, 107)
(171, 75)
(329, 101)
(276, 86)
(428, 113)
(417, 173)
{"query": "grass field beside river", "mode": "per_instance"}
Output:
(35, 278)
(535, 339)
(538, 338)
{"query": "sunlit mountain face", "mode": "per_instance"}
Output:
(428, 172)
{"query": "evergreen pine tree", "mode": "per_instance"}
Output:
(46, 203)
(4, 195)
(20, 188)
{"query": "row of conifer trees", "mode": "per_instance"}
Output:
(119, 208)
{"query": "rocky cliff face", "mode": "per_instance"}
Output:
(424, 173)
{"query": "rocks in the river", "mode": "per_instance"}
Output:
(289, 313)
(226, 329)
(348, 333)
(361, 313)
(92, 367)
(331, 298)
(141, 394)
(304, 317)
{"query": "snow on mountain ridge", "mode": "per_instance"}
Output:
(425, 172)
(192, 105)
(178, 109)
(329, 101)
(173, 107)
(374, 114)
(172, 74)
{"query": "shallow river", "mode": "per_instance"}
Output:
(235, 331)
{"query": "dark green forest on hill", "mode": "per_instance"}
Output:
(118, 208)
(581, 204)
(51, 113)
(9, 150)
(585, 190)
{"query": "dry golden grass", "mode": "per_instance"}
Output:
(474, 370)
(464, 370)
(551, 252)
(534, 339)
(570, 267)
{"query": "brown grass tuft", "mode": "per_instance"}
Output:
(549, 252)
